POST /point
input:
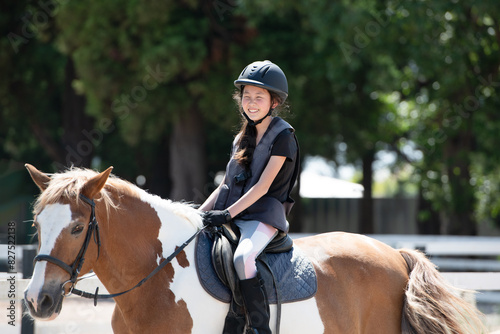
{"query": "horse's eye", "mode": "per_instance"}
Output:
(77, 229)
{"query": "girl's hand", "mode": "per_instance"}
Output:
(216, 217)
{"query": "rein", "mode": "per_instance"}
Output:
(74, 269)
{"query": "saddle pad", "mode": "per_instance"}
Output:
(294, 274)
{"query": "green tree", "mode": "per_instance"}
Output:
(146, 86)
(39, 105)
(448, 53)
(335, 71)
(140, 81)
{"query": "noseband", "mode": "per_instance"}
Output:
(74, 269)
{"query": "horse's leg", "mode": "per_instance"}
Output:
(360, 283)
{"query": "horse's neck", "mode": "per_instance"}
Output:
(175, 227)
(142, 232)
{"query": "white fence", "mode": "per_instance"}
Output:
(452, 253)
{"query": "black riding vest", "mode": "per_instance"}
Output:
(238, 181)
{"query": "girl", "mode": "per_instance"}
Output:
(255, 192)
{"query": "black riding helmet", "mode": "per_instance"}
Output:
(264, 74)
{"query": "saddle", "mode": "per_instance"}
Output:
(288, 274)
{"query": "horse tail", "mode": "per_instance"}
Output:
(431, 304)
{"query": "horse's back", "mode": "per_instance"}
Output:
(361, 282)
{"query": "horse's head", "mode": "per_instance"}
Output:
(66, 229)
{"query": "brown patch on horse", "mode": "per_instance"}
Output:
(360, 281)
(143, 306)
(182, 259)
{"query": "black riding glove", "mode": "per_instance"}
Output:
(216, 217)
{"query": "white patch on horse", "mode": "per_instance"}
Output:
(206, 311)
(173, 231)
(51, 221)
(299, 317)
(36, 283)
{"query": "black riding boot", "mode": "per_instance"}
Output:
(256, 304)
(235, 319)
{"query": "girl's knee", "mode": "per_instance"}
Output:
(244, 265)
(239, 264)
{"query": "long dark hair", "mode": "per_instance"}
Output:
(248, 133)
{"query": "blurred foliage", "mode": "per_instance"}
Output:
(418, 78)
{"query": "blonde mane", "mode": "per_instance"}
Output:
(69, 184)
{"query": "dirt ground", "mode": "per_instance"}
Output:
(78, 316)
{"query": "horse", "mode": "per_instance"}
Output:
(363, 285)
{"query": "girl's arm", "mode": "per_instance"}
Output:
(260, 188)
(210, 201)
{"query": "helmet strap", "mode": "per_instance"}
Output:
(254, 123)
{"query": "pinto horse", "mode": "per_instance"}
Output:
(364, 286)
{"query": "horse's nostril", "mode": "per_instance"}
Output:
(46, 302)
(29, 304)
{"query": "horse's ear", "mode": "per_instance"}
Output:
(93, 186)
(41, 180)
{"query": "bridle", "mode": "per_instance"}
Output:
(74, 269)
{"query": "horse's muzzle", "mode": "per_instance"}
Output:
(47, 305)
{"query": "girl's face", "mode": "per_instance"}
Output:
(256, 102)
